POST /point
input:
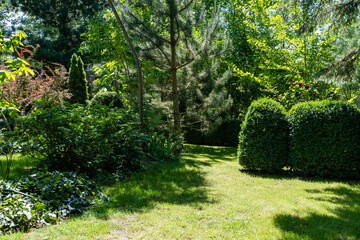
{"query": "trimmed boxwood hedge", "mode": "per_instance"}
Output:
(263, 139)
(112, 99)
(325, 139)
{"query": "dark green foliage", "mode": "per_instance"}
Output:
(325, 139)
(263, 139)
(95, 140)
(77, 82)
(43, 198)
(57, 25)
(112, 99)
(226, 134)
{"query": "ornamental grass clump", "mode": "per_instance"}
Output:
(263, 139)
(325, 139)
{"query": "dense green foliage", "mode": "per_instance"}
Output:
(225, 134)
(44, 198)
(92, 140)
(77, 83)
(56, 25)
(96, 140)
(325, 139)
(110, 99)
(263, 139)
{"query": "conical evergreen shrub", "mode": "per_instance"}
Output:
(77, 81)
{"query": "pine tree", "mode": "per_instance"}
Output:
(77, 82)
(174, 34)
(340, 15)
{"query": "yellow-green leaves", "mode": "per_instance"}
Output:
(12, 67)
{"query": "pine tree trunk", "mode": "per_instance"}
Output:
(175, 94)
(138, 65)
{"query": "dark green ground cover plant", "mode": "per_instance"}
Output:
(44, 198)
(263, 139)
(325, 139)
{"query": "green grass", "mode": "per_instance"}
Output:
(206, 195)
(21, 165)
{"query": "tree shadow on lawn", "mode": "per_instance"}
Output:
(215, 154)
(342, 221)
(174, 182)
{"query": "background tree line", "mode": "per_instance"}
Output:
(203, 62)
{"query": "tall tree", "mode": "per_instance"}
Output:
(340, 15)
(62, 25)
(174, 35)
(137, 60)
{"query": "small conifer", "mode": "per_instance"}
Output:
(77, 81)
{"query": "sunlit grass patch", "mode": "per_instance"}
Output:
(207, 195)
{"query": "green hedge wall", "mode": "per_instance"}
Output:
(325, 139)
(263, 139)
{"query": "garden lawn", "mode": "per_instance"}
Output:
(206, 195)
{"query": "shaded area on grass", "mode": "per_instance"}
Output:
(175, 182)
(287, 174)
(215, 154)
(21, 165)
(342, 222)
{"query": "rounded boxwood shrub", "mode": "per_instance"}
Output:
(263, 139)
(325, 139)
(112, 99)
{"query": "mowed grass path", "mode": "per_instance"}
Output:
(206, 195)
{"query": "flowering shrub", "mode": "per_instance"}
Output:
(302, 92)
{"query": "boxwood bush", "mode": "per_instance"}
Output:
(325, 139)
(112, 99)
(263, 139)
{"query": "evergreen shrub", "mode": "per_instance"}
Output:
(325, 139)
(77, 83)
(112, 99)
(263, 139)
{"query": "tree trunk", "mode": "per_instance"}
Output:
(175, 94)
(138, 65)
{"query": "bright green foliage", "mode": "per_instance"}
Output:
(45, 198)
(263, 139)
(325, 139)
(18, 66)
(77, 81)
(280, 54)
(111, 99)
